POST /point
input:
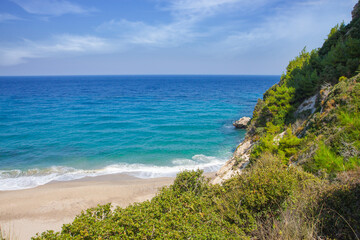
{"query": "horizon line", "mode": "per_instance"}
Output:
(100, 75)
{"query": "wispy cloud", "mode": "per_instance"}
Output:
(167, 35)
(64, 44)
(51, 7)
(206, 8)
(8, 17)
(273, 24)
(187, 15)
(140, 33)
(198, 9)
(292, 24)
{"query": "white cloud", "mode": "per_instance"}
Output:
(51, 7)
(187, 14)
(296, 24)
(64, 44)
(70, 43)
(199, 5)
(161, 35)
(207, 8)
(199, 8)
(292, 23)
(9, 57)
(166, 35)
(8, 17)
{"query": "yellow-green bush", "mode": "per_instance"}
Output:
(342, 78)
(262, 192)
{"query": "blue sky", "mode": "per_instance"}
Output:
(86, 37)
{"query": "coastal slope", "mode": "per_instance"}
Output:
(314, 101)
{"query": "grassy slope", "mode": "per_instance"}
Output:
(303, 186)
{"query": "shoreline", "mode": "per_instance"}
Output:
(25, 212)
(35, 177)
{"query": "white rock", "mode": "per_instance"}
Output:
(308, 104)
(242, 153)
(242, 122)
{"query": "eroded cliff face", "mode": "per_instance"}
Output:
(236, 163)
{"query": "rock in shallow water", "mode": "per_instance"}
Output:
(242, 122)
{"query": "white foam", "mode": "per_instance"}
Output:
(17, 179)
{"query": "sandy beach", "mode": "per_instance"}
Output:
(23, 213)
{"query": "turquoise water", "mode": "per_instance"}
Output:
(64, 128)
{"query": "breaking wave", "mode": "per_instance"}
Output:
(17, 179)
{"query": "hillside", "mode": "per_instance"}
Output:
(295, 176)
(314, 106)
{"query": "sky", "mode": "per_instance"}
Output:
(110, 37)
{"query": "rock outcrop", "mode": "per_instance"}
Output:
(242, 122)
(236, 164)
(308, 106)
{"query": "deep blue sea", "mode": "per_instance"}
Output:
(68, 127)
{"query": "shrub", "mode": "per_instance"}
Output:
(183, 210)
(342, 78)
(326, 159)
(262, 192)
(340, 204)
(190, 181)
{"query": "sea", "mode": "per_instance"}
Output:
(61, 128)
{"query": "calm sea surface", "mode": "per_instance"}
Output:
(68, 127)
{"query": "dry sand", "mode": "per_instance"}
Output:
(23, 213)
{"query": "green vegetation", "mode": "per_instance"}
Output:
(336, 131)
(263, 191)
(340, 213)
(337, 60)
(303, 180)
(330, 137)
(283, 148)
(268, 201)
(183, 210)
(192, 208)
